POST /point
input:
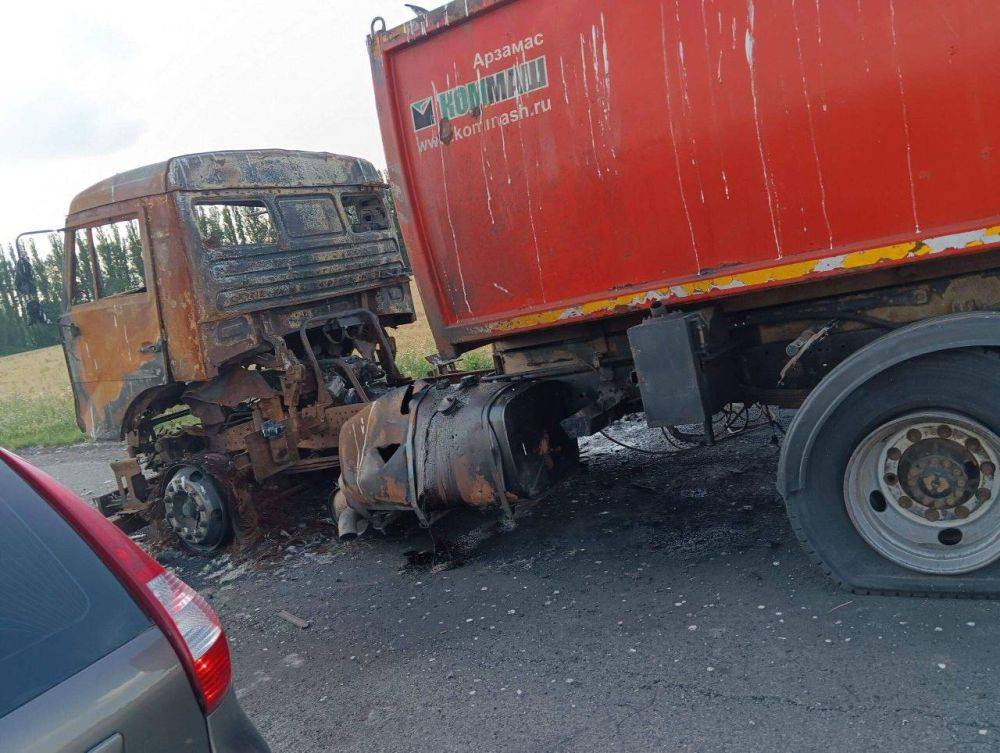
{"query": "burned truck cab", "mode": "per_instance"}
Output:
(225, 314)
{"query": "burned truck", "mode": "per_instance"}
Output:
(225, 315)
(688, 209)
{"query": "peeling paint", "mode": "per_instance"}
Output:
(792, 271)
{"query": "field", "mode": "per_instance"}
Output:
(36, 403)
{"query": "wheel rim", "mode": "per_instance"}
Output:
(194, 508)
(922, 491)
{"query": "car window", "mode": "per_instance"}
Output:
(365, 213)
(234, 223)
(61, 609)
(83, 270)
(118, 246)
(308, 216)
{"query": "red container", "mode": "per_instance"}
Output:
(562, 160)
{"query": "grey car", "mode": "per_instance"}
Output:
(101, 649)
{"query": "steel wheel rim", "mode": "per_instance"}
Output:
(936, 473)
(194, 508)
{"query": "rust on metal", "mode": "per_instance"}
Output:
(434, 445)
(250, 327)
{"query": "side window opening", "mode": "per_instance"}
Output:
(83, 271)
(366, 213)
(230, 224)
(118, 247)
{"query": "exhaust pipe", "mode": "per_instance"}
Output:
(350, 523)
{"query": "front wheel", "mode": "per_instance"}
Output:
(900, 489)
(196, 510)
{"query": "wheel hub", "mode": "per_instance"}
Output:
(194, 508)
(937, 472)
(921, 490)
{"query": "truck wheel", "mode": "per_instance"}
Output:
(196, 510)
(900, 491)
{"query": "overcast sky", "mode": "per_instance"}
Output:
(90, 89)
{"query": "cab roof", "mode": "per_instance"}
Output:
(256, 168)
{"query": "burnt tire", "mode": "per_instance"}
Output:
(867, 550)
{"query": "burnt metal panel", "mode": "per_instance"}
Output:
(304, 264)
(259, 168)
(431, 447)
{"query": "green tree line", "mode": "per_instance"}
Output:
(25, 303)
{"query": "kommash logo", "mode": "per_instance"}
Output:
(502, 86)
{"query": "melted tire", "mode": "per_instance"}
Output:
(960, 381)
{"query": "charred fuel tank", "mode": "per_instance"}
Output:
(431, 446)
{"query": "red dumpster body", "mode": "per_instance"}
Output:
(558, 161)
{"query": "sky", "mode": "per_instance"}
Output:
(88, 90)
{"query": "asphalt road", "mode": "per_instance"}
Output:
(652, 604)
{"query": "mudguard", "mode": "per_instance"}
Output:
(976, 329)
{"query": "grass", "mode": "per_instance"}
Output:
(36, 402)
(414, 342)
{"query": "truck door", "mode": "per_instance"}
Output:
(110, 328)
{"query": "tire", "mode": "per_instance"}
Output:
(897, 546)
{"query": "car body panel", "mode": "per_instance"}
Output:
(139, 691)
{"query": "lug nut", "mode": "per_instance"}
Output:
(890, 478)
(961, 512)
(914, 435)
(894, 454)
(932, 514)
(972, 444)
(944, 431)
(983, 494)
(987, 469)
(905, 502)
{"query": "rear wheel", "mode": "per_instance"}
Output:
(900, 491)
(196, 510)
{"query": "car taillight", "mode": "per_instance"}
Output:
(178, 610)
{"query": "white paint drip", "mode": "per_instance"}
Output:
(503, 148)
(562, 73)
(527, 191)
(812, 127)
(451, 224)
(501, 288)
(685, 91)
(906, 119)
(586, 93)
(534, 235)
(673, 136)
(486, 182)
(748, 44)
(725, 183)
(607, 63)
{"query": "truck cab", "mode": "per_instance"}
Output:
(224, 314)
(175, 269)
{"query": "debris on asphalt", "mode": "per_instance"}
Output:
(294, 620)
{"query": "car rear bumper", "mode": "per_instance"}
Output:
(230, 731)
